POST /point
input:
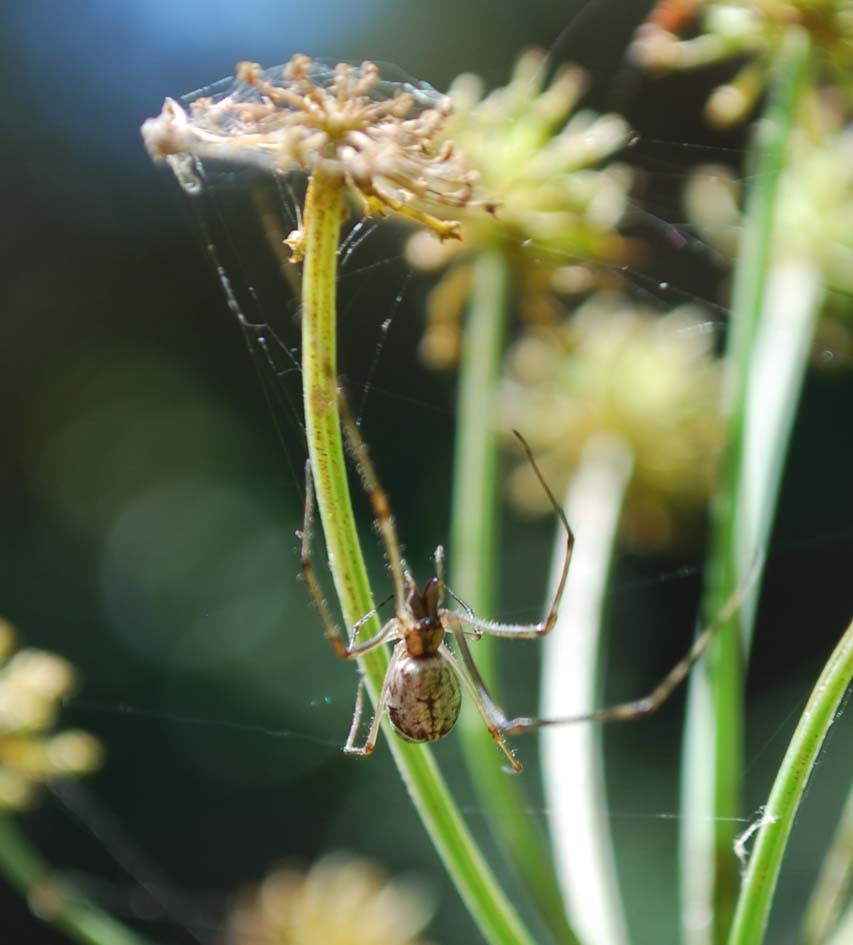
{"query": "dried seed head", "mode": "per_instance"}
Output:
(341, 900)
(345, 122)
(618, 369)
(754, 29)
(557, 209)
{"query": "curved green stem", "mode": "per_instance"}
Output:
(473, 561)
(740, 524)
(572, 762)
(50, 900)
(756, 895)
(834, 882)
(474, 881)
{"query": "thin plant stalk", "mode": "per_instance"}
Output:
(473, 561)
(740, 523)
(58, 905)
(495, 916)
(843, 932)
(834, 882)
(756, 895)
(572, 762)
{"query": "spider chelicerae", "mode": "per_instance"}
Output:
(421, 689)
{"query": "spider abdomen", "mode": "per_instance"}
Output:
(423, 697)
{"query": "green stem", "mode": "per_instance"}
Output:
(834, 882)
(473, 560)
(740, 523)
(756, 895)
(495, 916)
(572, 763)
(842, 934)
(50, 899)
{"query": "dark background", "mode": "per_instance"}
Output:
(149, 499)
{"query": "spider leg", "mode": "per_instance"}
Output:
(469, 612)
(356, 718)
(370, 742)
(438, 558)
(378, 500)
(490, 712)
(653, 700)
(528, 631)
(354, 629)
(333, 633)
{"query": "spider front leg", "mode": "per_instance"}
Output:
(527, 631)
(653, 700)
(388, 632)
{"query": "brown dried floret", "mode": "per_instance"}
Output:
(345, 122)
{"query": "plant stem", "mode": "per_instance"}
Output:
(572, 764)
(740, 522)
(50, 899)
(494, 915)
(756, 895)
(473, 560)
(842, 934)
(833, 884)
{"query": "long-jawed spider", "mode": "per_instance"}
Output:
(421, 689)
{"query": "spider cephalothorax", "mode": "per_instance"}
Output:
(424, 633)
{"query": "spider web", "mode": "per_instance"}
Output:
(221, 705)
(260, 289)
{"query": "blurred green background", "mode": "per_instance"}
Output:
(149, 498)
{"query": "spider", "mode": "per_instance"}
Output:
(421, 688)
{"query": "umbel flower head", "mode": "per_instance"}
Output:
(813, 225)
(750, 29)
(341, 900)
(32, 685)
(618, 369)
(381, 138)
(814, 218)
(538, 159)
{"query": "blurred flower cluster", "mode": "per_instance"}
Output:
(556, 210)
(32, 686)
(750, 29)
(814, 218)
(340, 900)
(619, 369)
(380, 137)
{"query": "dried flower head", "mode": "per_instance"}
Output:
(557, 211)
(379, 137)
(32, 685)
(618, 369)
(754, 29)
(341, 900)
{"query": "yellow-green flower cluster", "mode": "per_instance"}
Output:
(556, 210)
(381, 138)
(751, 29)
(341, 900)
(32, 686)
(618, 369)
(814, 221)
(814, 215)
